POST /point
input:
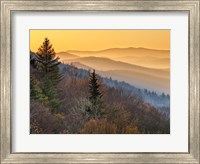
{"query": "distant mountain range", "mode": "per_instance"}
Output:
(138, 56)
(118, 63)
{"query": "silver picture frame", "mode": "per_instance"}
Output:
(8, 7)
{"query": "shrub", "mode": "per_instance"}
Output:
(98, 127)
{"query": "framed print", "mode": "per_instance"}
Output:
(100, 81)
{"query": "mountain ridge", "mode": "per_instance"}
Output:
(119, 48)
(139, 56)
(154, 79)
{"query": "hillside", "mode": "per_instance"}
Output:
(147, 96)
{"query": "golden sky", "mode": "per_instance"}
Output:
(93, 40)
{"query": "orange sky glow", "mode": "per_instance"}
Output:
(94, 40)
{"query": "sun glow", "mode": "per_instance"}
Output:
(94, 40)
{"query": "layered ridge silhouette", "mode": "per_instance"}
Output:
(144, 68)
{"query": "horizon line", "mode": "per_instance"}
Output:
(117, 48)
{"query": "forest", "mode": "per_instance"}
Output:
(65, 99)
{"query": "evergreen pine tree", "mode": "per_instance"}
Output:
(47, 62)
(96, 111)
(94, 87)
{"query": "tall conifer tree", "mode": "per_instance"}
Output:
(94, 87)
(47, 62)
(96, 111)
